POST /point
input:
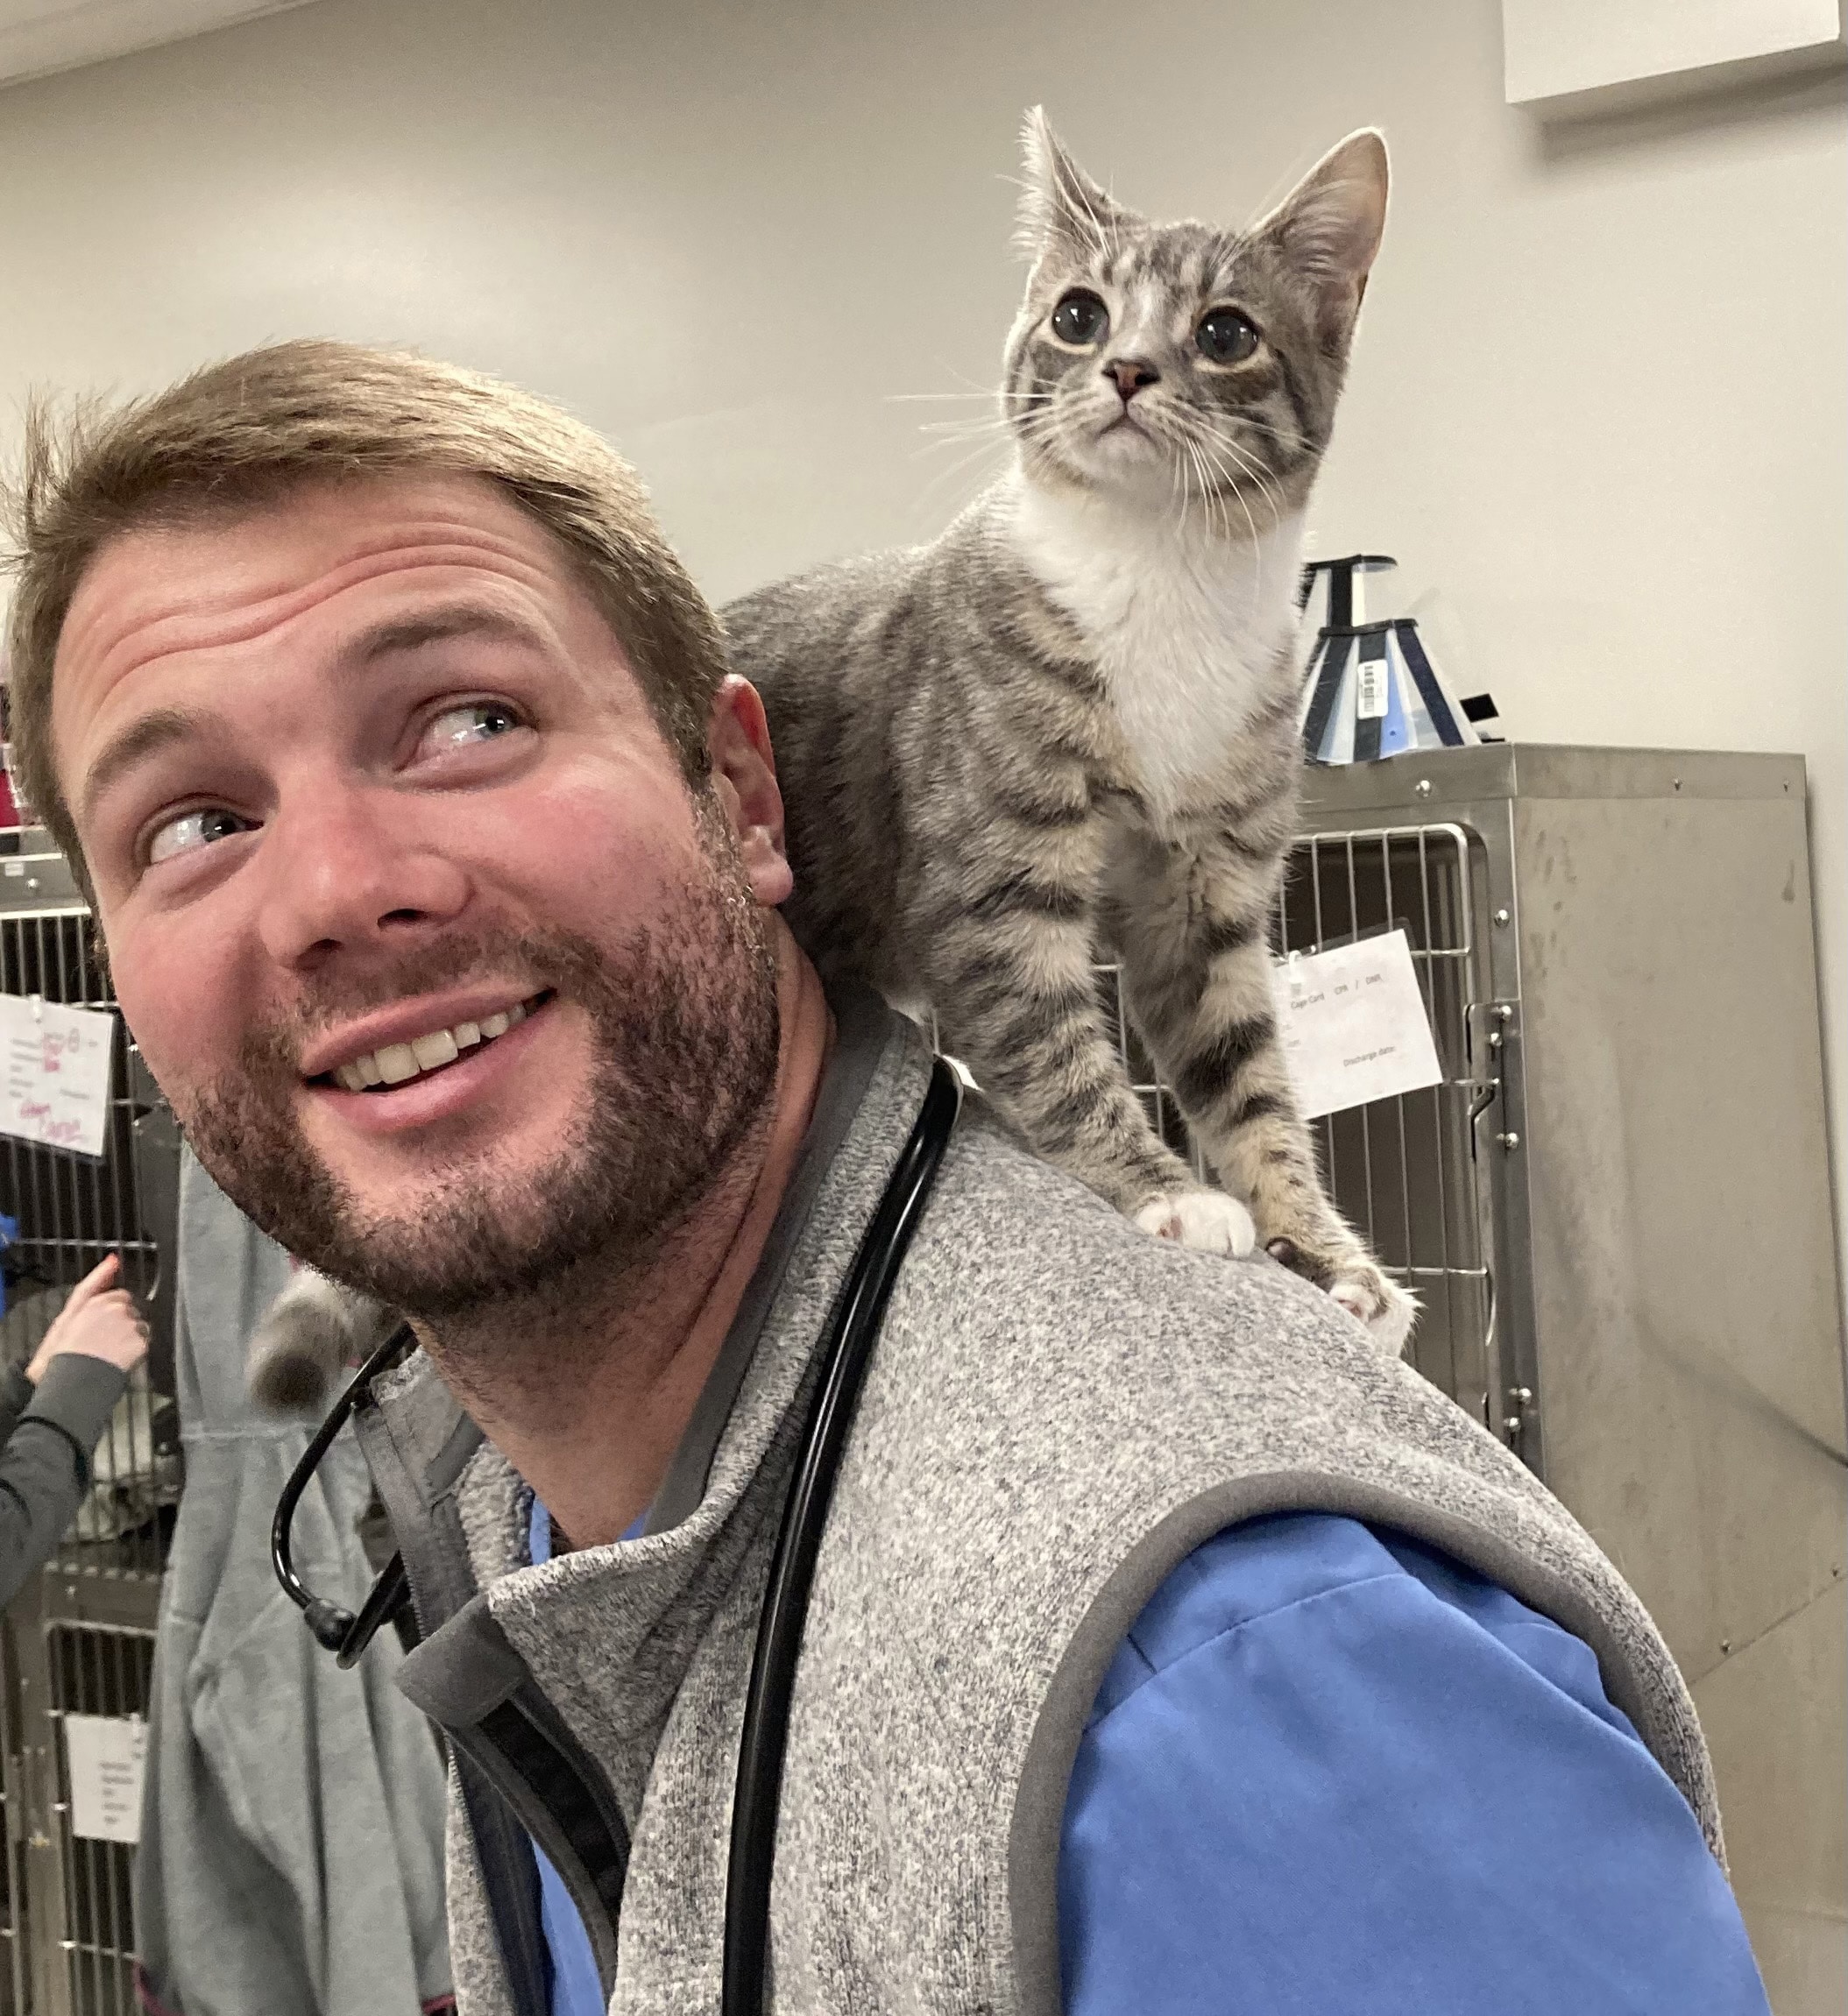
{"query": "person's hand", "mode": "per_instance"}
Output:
(98, 1321)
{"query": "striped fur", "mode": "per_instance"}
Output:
(1068, 724)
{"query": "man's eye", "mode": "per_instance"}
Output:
(474, 721)
(193, 830)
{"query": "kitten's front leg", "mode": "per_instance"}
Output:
(1197, 982)
(1006, 961)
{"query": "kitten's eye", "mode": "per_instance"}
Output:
(192, 830)
(1081, 319)
(1226, 336)
(473, 721)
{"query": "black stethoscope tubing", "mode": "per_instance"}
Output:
(852, 1330)
(334, 1627)
(851, 1337)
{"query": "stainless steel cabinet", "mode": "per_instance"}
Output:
(1618, 1211)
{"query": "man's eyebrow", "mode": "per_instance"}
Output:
(136, 742)
(433, 627)
(166, 725)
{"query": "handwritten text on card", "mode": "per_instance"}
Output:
(106, 1755)
(54, 1072)
(1353, 1024)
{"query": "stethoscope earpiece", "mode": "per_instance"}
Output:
(329, 1622)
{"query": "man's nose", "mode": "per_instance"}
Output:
(1132, 374)
(347, 871)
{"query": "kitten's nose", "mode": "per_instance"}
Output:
(1132, 374)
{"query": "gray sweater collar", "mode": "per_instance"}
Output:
(865, 1031)
(639, 1608)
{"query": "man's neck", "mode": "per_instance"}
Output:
(625, 1362)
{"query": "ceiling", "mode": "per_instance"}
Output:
(41, 35)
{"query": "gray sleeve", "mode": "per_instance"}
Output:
(45, 1467)
(15, 1396)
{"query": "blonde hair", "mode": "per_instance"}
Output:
(235, 435)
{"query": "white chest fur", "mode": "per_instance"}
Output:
(1186, 626)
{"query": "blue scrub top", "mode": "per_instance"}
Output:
(572, 1978)
(1331, 1768)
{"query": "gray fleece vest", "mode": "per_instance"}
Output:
(1058, 1410)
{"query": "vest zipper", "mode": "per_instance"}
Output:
(551, 1787)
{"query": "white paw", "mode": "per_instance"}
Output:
(1207, 1220)
(1381, 1304)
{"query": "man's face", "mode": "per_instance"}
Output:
(451, 981)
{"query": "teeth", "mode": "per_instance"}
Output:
(398, 1062)
(438, 1047)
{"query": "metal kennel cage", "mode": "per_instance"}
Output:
(80, 1639)
(1404, 1171)
(1616, 1209)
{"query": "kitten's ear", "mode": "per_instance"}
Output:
(1060, 206)
(1328, 226)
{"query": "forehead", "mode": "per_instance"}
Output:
(160, 596)
(1184, 258)
(236, 569)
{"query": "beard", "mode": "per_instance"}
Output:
(685, 1043)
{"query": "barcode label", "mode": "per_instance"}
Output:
(1369, 689)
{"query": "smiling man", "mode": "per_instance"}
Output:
(1168, 1649)
(481, 1030)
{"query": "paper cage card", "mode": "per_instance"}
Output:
(55, 1063)
(1353, 1024)
(106, 1755)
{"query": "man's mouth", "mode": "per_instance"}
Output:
(396, 1064)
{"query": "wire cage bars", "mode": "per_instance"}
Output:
(105, 1670)
(80, 1639)
(70, 1919)
(1404, 1170)
(71, 1213)
(1401, 1170)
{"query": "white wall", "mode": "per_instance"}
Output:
(1597, 408)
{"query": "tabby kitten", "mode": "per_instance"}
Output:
(1070, 722)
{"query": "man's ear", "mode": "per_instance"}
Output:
(743, 778)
